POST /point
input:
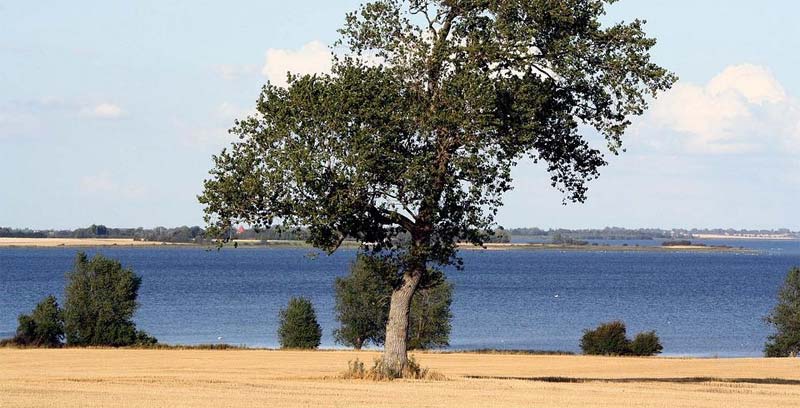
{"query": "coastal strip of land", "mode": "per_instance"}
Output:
(123, 242)
(763, 237)
(78, 242)
(257, 378)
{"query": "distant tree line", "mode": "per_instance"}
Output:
(610, 233)
(160, 234)
(615, 233)
(183, 234)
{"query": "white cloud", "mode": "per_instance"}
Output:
(314, 57)
(744, 109)
(755, 83)
(103, 111)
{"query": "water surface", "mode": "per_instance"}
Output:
(699, 303)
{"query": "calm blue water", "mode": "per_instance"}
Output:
(699, 303)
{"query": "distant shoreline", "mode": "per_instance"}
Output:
(80, 242)
(119, 242)
(592, 248)
(741, 237)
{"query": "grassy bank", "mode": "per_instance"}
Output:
(211, 378)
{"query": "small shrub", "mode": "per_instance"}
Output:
(606, 339)
(44, 327)
(355, 371)
(609, 339)
(298, 325)
(381, 372)
(646, 344)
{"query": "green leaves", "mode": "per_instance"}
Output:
(298, 325)
(785, 318)
(100, 303)
(416, 131)
(44, 327)
(362, 305)
(610, 339)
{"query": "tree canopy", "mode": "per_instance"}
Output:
(418, 127)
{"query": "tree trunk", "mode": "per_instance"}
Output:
(395, 356)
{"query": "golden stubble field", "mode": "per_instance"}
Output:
(261, 378)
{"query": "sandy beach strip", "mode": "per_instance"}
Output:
(75, 242)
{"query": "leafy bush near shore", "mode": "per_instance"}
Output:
(429, 320)
(44, 327)
(606, 339)
(362, 302)
(785, 318)
(646, 344)
(100, 304)
(610, 339)
(298, 325)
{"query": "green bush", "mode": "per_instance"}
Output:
(429, 320)
(362, 306)
(606, 339)
(100, 304)
(609, 339)
(646, 344)
(785, 318)
(298, 325)
(44, 327)
(362, 302)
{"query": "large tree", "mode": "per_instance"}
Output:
(416, 130)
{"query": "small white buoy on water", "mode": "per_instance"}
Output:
(556, 295)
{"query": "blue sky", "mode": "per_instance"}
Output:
(110, 112)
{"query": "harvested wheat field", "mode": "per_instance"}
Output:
(261, 378)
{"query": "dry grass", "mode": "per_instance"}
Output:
(356, 370)
(256, 378)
